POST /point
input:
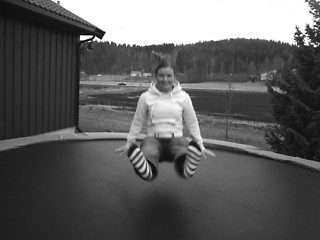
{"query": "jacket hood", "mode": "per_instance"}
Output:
(153, 89)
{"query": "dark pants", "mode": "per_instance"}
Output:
(158, 150)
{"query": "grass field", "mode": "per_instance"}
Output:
(98, 118)
(245, 105)
(144, 82)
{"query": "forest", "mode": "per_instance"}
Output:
(198, 62)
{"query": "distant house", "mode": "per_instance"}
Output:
(39, 67)
(263, 76)
(136, 74)
(146, 74)
(267, 75)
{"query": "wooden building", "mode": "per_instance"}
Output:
(39, 67)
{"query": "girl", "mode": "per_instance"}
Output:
(163, 107)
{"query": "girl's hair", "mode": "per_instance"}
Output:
(166, 60)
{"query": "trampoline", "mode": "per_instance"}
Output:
(83, 190)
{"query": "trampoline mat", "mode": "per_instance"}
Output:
(83, 190)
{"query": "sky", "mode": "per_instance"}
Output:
(148, 22)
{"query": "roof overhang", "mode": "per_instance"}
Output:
(71, 20)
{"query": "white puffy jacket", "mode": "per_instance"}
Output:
(164, 113)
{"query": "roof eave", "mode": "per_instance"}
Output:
(81, 28)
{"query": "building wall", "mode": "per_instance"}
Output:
(38, 78)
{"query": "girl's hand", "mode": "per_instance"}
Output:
(206, 152)
(122, 150)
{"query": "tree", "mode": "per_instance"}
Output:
(203, 61)
(297, 106)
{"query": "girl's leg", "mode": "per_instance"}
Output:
(146, 158)
(186, 156)
(178, 149)
(141, 165)
(192, 159)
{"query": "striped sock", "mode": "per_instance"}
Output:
(192, 160)
(140, 163)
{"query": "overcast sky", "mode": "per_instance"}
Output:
(147, 22)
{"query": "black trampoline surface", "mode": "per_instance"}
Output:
(83, 190)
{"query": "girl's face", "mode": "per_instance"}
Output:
(165, 79)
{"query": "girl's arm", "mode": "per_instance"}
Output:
(193, 126)
(191, 121)
(136, 125)
(139, 119)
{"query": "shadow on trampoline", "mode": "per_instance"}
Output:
(161, 217)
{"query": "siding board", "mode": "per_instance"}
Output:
(53, 67)
(64, 81)
(69, 80)
(17, 79)
(25, 79)
(74, 80)
(58, 85)
(2, 75)
(33, 81)
(39, 82)
(46, 80)
(8, 83)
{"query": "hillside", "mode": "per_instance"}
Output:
(202, 61)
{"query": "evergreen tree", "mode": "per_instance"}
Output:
(297, 105)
